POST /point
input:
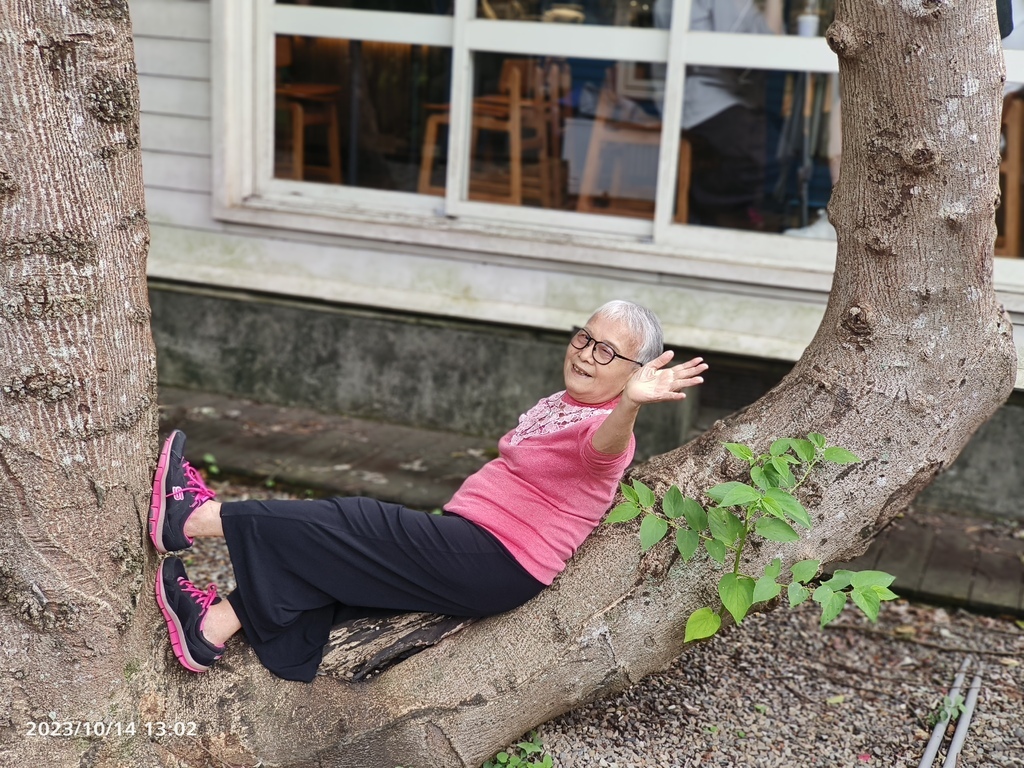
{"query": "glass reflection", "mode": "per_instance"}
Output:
(619, 13)
(353, 112)
(567, 134)
(437, 7)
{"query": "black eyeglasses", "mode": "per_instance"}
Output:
(603, 352)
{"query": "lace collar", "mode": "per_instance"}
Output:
(555, 413)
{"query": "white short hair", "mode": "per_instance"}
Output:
(641, 322)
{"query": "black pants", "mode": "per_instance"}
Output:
(303, 566)
(728, 166)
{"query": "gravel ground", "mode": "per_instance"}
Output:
(778, 692)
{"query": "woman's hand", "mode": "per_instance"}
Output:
(654, 383)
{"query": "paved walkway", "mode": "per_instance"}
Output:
(940, 558)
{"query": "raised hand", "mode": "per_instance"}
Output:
(654, 383)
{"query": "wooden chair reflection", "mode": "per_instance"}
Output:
(611, 151)
(1010, 170)
(525, 110)
(308, 105)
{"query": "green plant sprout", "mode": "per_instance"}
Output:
(950, 708)
(741, 512)
(525, 753)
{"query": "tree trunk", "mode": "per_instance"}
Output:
(913, 354)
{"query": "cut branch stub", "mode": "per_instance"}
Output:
(846, 41)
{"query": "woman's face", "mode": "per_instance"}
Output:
(588, 381)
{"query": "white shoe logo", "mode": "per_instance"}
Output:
(177, 493)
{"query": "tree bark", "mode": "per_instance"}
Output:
(913, 354)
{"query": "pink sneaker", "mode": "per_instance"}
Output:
(184, 607)
(178, 490)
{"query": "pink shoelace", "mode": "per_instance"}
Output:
(204, 597)
(194, 485)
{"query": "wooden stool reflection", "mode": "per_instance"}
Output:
(310, 105)
(523, 111)
(1010, 168)
(608, 150)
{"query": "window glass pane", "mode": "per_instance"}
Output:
(754, 17)
(569, 134)
(439, 7)
(619, 13)
(760, 146)
(354, 113)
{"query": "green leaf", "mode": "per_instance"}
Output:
(644, 494)
(740, 451)
(867, 600)
(773, 569)
(759, 477)
(695, 515)
(841, 579)
(785, 475)
(716, 549)
(772, 507)
(766, 589)
(774, 529)
(529, 747)
(502, 757)
(629, 493)
(832, 607)
(839, 455)
(717, 493)
(777, 480)
(724, 525)
(652, 530)
(817, 438)
(627, 510)
(803, 448)
(797, 594)
(687, 542)
(884, 593)
(863, 579)
(805, 570)
(673, 504)
(737, 593)
(822, 593)
(791, 506)
(702, 623)
(779, 447)
(740, 494)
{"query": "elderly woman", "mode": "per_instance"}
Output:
(302, 566)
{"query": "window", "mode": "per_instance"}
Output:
(645, 120)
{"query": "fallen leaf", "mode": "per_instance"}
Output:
(1020, 624)
(905, 629)
(836, 699)
(1009, 662)
(865, 758)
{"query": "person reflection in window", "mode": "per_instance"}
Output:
(724, 116)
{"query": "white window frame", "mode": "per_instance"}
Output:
(245, 192)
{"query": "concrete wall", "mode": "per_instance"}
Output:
(440, 374)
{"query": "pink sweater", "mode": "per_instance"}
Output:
(549, 486)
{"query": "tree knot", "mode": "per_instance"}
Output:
(49, 386)
(845, 40)
(8, 186)
(858, 321)
(921, 155)
(111, 99)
